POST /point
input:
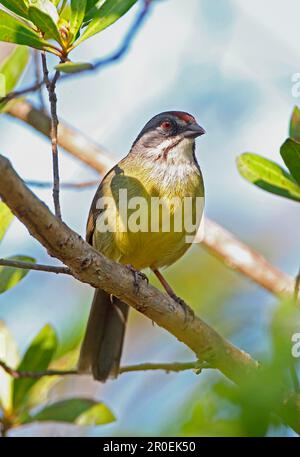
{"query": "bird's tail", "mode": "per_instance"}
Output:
(103, 341)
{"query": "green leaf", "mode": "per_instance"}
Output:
(13, 31)
(268, 175)
(16, 6)
(295, 125)
(12, 69)
(77, 16)
(37, 358)
(290, 152)
(6, 216)
(92, 7)
(74, 410)
(73, 67)
(9, 276)
(106, 15)
(9, 354)
(98, 414)
(44, 15)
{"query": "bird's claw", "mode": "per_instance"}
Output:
(138, 275)
(188, 312)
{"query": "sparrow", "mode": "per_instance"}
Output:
(160, 166)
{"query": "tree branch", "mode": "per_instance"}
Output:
(34, 266)
(217, 240)
(167, 367)
(53, 133)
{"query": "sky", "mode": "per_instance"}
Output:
(230, 64)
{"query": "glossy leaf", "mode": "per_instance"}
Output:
(290, 152)
(92, 7)
(13, 31)
(44, 15)
(37, 358)
(9, 354)
(6, 216)
(106, 15)
(16, 6)
(77, 15)
(72, 409)
(268, 175)
(295, 125)
(12, 69)
(9, 276)
(98, 414)
(73, 67)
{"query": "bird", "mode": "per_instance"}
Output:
(160, 166)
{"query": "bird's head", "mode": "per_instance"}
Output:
(167, 133)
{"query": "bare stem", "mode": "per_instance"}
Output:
(34, 266)
(236, 254)
(167, 367)
(51, 86)
(64, 185)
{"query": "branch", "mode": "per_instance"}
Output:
(218, 241)
(64, 185)
(53, 133)
(34, 266)
(123, 48)
(167, 367)
(90, 266)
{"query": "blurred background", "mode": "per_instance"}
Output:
(229, 63)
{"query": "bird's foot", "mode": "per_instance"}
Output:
(188, 312)
(138, 276)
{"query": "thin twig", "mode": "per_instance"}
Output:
(34, 266)
(167, 367)
(51, 85)
(64, 185)
(297, 287)
(236, 254)
(19, 93)
(38, 77)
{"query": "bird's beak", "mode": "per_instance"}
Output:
(193, 131)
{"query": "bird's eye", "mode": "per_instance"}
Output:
(166, 125)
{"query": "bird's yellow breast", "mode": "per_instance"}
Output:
(145, 236)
